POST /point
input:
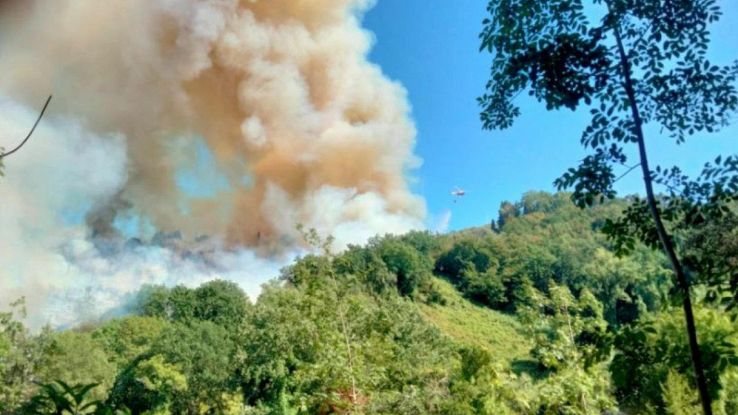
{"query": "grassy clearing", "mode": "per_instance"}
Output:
(471, 324)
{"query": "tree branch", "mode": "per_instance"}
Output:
(626, 173)
(43, 110)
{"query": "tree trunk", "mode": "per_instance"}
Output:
(664, 237)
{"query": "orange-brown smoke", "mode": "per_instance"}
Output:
(303, 127)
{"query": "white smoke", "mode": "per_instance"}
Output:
(298, 126)
(280, 91)
(47, 254)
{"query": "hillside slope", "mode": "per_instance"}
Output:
(533, 315)
(472, 324)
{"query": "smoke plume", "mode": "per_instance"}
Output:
(232, 119)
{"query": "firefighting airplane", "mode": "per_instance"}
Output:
(457, 193)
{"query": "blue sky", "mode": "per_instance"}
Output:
(431, 48)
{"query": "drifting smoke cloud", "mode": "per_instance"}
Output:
(280, 91)
(296, 122)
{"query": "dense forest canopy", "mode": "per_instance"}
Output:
(534, 314)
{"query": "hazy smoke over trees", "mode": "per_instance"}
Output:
(225, 118)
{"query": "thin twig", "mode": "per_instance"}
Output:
(43, 110)
(627, 172)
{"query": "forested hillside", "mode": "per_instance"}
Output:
(533, 314)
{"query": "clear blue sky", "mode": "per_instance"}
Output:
(431, 47)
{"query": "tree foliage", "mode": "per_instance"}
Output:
(641, 63)
(648, 351)
(571, 329)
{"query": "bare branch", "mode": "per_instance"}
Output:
(626, 173)
(43, 110)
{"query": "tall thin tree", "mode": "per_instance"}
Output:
(643, 62)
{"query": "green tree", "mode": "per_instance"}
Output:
(77, 359)
(678, 396)
(392, 264)
(711, 251)
(149, 385)
(481, 386)
(571, 346)
(423, 241)
(199, 354)
(472, 266)
(205, 352)
(409, 266)
(466, 254)
(127, 338)
(181, 304)
(152, 301)
(21, 356)
(577, 391)
(221, 302)
(173, 304)
(507, 210)
(628, 287)
(643, 62)
(567, 331)
(309, 270)
(295, 351)
(485, 288)
(647, 351)
(729, 395)
(367, 266)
